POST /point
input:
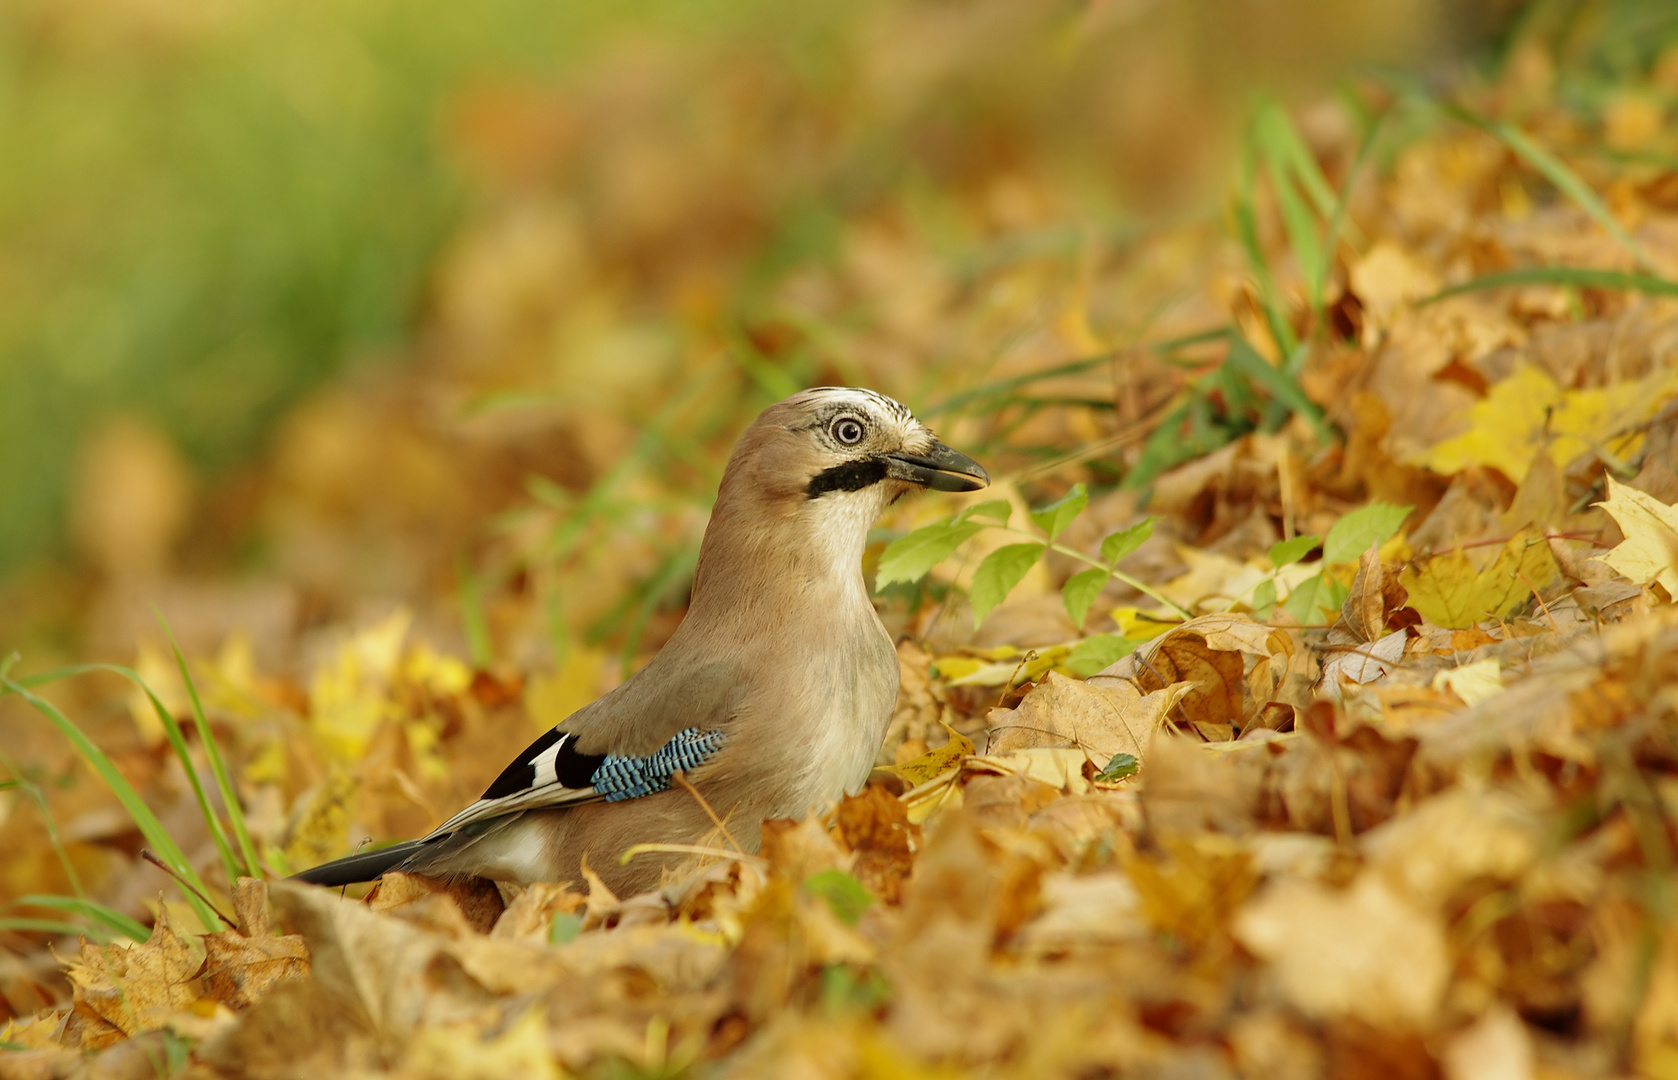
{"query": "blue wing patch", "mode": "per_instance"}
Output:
(619, 778)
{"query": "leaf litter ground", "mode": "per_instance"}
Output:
(1204, 797)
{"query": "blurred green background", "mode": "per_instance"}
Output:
(211, 211)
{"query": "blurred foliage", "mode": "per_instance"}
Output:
(206, 210)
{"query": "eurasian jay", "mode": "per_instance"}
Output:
(771, 698)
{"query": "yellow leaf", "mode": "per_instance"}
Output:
(974, 671)
(549, 699)
(442, 675)
(1650, 550)
(1451, 591)
(1528, 412)
(460, 1050)
(1139, 625)
(1473, 683)
(935, 763)
(323, 828)
(348, 696)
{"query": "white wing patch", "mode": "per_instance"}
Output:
(544, 764)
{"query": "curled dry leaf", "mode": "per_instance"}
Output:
(1213, 653)
(1103, 716)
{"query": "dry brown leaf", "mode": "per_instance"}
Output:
(1444, 843)
(875, 827)
(1104, 716)
(1210, 653)
(239, 971)
(1364, 952)
(122, 990)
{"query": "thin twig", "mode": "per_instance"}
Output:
(1007, 687)
(146, 854)
(681, 779)
(1542, 606)
(690, 849)
(1500, 540)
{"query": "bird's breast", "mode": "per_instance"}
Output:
(854, 692)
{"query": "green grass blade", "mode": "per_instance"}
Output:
(1301, 227)
(1558, 174)
(472, 617)
(53, 926)
(1290, 167)
(1576, 276)
(1338, 222)
(1246, 231)
(218, 767)
(156, 836)
(177, 742)
(90, 910)
(1282, 140)
(39, 798)
(1277, 382)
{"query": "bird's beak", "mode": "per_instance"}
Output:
(942, 469)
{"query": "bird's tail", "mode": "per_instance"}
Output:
(364, 867)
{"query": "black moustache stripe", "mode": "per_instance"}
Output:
(851, 476)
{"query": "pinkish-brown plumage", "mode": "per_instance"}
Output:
(781, 652)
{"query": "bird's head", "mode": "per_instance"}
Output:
(835, 441)
(823, 464)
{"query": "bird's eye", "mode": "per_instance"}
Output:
(848, 430)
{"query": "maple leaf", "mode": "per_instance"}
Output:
(135, 989)
(1528, 412)
(1449, 590)
(1649, 551)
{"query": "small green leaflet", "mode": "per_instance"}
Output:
(844, 894)
(1099, 651)
(1125, 541)
(564, 926)
(1314, 599)
(998, 574)
(1055, 517)
(998, 510)
(1080, 592)
(1289, 552)
(1121, 766)
(908, 558)
(1351, 535)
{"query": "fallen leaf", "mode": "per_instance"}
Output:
(1364, 952)
(1450, 590)
(1495, 1047)
(1649, 551)
(1101, 718)
(239, 971)
(875, 827)
(1527, 413)
(136, 987)
(1473, 683)
(935, 763)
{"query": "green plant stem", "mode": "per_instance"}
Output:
(1145, 590)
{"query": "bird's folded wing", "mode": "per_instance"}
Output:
(552, 772)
